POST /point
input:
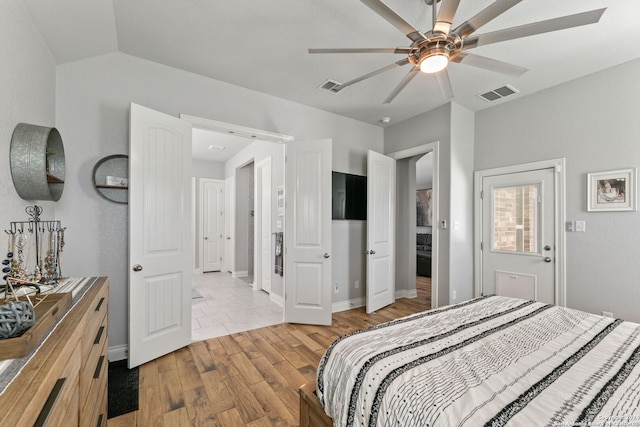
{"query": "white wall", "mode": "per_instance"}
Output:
(93, 98)
(27, 88)
(594, 123)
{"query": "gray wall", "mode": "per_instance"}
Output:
(452, 126)
(594, 123)
(93, 98)
(27, 85)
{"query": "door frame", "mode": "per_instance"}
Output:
(558, 164)
(433, 147)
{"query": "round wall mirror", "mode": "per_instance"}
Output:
(111, 178)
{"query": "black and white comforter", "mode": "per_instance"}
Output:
(489, 361)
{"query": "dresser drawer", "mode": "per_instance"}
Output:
(94, 413)
(95, 318)
(62, 406)
(95, 362)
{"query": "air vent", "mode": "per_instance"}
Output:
(499, 93)
(330, 86)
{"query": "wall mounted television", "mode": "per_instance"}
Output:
(349, 196)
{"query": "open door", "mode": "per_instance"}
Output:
(381, 236)
(160, 245)
(307, 271)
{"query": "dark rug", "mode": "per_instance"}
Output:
(123, 389)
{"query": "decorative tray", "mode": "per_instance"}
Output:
(48, 311)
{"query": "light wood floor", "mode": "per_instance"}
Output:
(248, 378)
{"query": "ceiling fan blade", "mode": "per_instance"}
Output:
(446, 13)
(371, 74)
(444, 83)
(403, 50)
(394, 19)
(540, 27)
(489, 64)
(485, 15)
(405, 81)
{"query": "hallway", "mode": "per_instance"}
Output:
(223, 305)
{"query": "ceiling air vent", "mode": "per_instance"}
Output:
(330, 86)
(501, 92)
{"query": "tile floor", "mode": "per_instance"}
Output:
(228, 306)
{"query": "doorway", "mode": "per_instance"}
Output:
(407, 229)
(424, 224)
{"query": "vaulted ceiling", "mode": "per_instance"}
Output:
(263, 45)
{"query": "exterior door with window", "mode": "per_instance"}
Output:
(518, 235)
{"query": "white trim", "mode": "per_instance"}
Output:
(560, 272)
(414, 151)
(348, 304)
(278, 300)
(118, 352)
(240, 273)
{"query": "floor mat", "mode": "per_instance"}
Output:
(123, 389)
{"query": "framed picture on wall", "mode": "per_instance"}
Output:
(612, 190)
(423, 205)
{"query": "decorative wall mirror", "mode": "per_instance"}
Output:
(111, 178)
(37, 162)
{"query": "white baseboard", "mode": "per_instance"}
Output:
(277, 299)
(406, 293)
(242, 273)
(119, 352)
(348, 305)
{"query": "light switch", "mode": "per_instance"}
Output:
(581, 226)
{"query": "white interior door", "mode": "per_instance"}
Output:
(381, 222)
(264, 260)
(518, 235)
(307, 271)
(212, 221)
(160, 243)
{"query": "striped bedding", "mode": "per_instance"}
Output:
(489, 361)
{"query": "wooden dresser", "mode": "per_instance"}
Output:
(65, 382)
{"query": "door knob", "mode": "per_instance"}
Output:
(206, 238)
(372, 252)
(326, 255)
(547, 259)
(228, 238)
(137, 267)
(547, 248)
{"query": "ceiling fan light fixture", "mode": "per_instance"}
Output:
(436, 59)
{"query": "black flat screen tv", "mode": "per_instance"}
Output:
(349, 196)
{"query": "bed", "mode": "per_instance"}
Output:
(489, 361)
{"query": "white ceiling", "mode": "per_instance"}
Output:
(262, 45)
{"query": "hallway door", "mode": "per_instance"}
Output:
(212, 223)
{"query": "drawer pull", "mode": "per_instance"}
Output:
(50, 403)
(96, 374)
(99, 335)
(99, 304)
(100, 419)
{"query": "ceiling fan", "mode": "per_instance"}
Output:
(432, 51)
